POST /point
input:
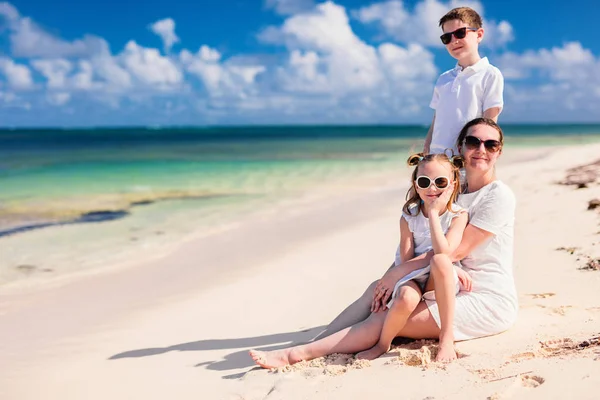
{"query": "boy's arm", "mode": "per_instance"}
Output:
(427, 147)
(492, 113)
(493, 99)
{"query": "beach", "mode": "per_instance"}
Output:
(178, 322)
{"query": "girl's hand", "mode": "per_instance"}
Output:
(464, 278)
(441, 202)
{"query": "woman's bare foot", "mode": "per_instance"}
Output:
(274, 359)
(373, 353)
(446, 352)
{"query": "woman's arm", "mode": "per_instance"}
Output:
(446, 244)
(472, 238)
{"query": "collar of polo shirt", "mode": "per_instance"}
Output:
(478, 66)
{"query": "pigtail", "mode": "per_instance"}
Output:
(457, 161)
(414, 159)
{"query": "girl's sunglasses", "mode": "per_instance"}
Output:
(473, 142)
(460, 33)
(424, 182)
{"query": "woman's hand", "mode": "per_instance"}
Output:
(464, 278)
(441, 202)
(383, 292)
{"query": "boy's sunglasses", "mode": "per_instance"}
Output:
(460, 33)
(424, 182)
(473, 142)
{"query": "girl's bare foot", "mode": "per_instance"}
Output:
(373, 353)
(275, 358)
(446, 352)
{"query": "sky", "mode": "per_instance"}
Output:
(67, 63)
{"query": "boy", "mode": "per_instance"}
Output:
(472, 89)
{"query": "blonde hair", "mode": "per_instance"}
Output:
(412, 196)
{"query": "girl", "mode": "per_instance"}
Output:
(430, 221)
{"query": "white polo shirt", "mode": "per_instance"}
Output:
(460, 96)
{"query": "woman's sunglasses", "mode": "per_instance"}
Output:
(473, 142)
(424, 182)
(460, 33)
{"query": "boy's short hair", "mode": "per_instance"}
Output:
(464, 14)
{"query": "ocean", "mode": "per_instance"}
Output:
(136, 189)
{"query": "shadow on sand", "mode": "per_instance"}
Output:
(235, 360)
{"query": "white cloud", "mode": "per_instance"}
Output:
(17, 75)
(288, 7)
(58, 98)
(348, 63)
(219, 78)
(54, 70)
(568, 76)
(9, 12)
(149, 67)
(421, 25)
(571, 62)
(27, 39)
(165, 28)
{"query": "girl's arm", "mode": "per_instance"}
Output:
(446, 244)
(407, 242)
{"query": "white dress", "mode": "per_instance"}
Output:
(491, 307)
(418, 224)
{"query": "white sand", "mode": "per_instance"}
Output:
(179, 327)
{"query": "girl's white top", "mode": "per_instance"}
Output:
(419, 226)
(491, 307)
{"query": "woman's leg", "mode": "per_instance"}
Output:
(353, 314)
(442, 271)
(404, 304)
(349, 340)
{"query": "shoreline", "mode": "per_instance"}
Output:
(30, 262)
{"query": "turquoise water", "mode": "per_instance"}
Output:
(58, 176)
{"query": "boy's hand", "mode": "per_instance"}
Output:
(464, 278)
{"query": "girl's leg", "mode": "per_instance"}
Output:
(405, 303)
(349, 340)
(442, 271)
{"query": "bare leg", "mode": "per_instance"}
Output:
(442, 271)
(420, 324)
(405, 303)
(352, 315)
(349, 340)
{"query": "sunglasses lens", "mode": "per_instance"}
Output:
(460, 33)
(441, 183)
(472, 142)
(492, 145)
(423, 182)
(446, 38)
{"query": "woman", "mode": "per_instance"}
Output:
(491, 305)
